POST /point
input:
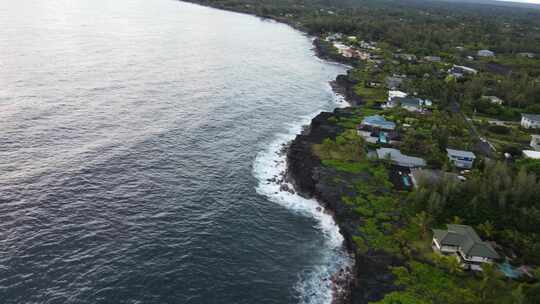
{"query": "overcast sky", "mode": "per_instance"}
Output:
(525, 1)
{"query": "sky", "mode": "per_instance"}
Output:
(523, 1)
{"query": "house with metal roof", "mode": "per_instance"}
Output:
(530, 121)
(396, 157)
(461, 159)
(493, 99)
(378, 122)
(463, 241)
(412, 104)
(485, 53)
(531, 154)
(459, 71)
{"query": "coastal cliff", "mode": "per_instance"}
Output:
(372, 278)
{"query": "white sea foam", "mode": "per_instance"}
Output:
(314, 286)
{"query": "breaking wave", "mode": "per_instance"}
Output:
(315, 286)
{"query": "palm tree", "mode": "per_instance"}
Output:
(423, 221)
(453, 265)
(490, 283)
(487, 229)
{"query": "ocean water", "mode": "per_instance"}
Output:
(139, 141)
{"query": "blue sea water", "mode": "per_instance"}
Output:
(138, 141)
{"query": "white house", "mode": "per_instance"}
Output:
(531, 154)
(463, 241)
(396, 93)
(493, 99)
(461, 159)
(530, 121)
(485, 53)
(459, 71)
(535, 142)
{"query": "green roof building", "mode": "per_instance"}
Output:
(463, 241)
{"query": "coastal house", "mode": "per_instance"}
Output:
(377, 122)
(406, 57)
(411, 104)
(396, 93)
(376, 129)
(460, 71)
(461, 159)
(464, 242)
(334, 37)
(531, 154)
(535, 142)
(493, 99)
(485, 53)
(396, 157)
(431, 177)
(432, 59)
(530, 121)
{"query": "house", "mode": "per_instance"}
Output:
(396, 93)
(531, 154)
(460, 71)
(395, 156)
(377, 122)
(463, 241)
(432, 59)
(535, 142)
(485, 53)
(461, 159)
(493, 99)
(430, 177)
(406, 57)
(334, 37)
(412, 104)
(530, 121)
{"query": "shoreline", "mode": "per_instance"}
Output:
(344, 279)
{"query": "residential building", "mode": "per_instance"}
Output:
(378, 122)
(461, 159)
(531, 154)
(494, 99)
(485, 53)
(432, 58)
(463, 241)
(412, 104)
(460, 71)
(406, 57)
(535, 142)
(396, 93)
(530, 121)
(396, 157)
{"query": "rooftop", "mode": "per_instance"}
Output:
(399, 158)
(379, 121)
(531, 154)
(535, 117)
(460, 153)
(466, 238)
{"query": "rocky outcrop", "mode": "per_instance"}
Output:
(372, 278)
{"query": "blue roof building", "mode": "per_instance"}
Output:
(379, 122)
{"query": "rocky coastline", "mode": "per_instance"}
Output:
(370, 278)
